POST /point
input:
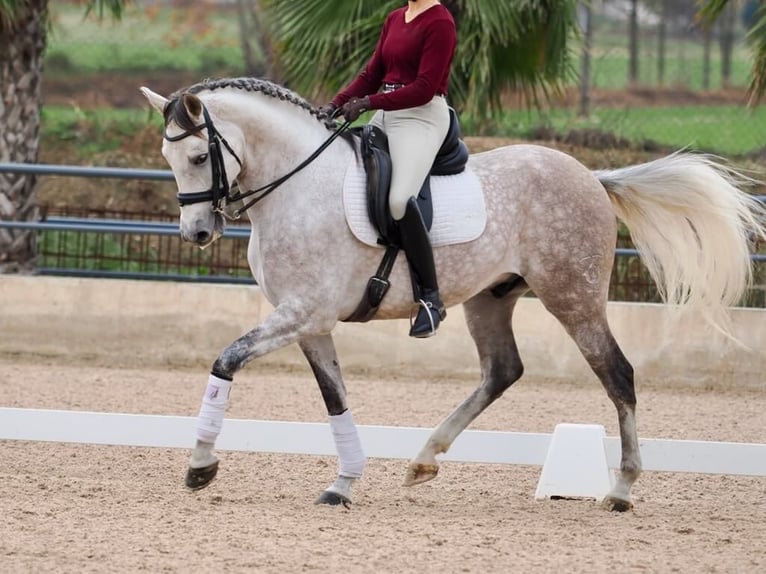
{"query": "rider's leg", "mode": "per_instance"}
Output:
(417, 246)
(414, 137)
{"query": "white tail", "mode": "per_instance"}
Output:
(693, 226)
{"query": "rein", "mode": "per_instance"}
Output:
(219, 190)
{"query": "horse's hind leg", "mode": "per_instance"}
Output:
(320, 353)
(489, 322)
(588, 326)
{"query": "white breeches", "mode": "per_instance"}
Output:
(414, 138)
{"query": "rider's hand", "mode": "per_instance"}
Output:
(327, 111)
(355, 107)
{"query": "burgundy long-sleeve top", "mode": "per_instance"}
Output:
(417, 54)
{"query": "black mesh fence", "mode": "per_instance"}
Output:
(148, 252)
(154, 253)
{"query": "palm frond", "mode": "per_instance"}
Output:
(757, 36)
(113, 8)
(710, 10)
(520, 45)
(322, 45)
(9, 11)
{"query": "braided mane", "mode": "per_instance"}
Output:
(178, 113)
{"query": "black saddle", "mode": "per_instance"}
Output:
(450, 160)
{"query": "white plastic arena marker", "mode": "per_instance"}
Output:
(575, 465)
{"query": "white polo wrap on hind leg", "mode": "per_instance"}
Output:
(210, 418)
(351, 458)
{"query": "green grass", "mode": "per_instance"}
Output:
(684, 61)
(610, 71)
(90, 251)
(205, 40)
(144, 40)
(730, 130)
(684, 58)
(125, 253)
(94, 130)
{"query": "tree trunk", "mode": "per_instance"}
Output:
(662, 36)
(633, 39)
(22, 47)
(261, 31)
(587, 43)
(248, 36)
(707, 39)
(727, 43)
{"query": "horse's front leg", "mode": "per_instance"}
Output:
(320, 353)
(284, 326)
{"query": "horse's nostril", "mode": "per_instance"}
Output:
(202, 237)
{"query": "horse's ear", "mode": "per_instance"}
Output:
(193, 106)
(157, 101)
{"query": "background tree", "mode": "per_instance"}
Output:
(633, 43)
(712, 9)
(662, 34)
(727, 20)
(520, 46)
(255, 39)
(586, 21)
(23, 35)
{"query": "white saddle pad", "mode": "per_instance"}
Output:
(459, 212)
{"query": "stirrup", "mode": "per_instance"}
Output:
(428, 308)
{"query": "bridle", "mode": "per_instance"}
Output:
(219, 193)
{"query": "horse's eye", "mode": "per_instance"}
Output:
(200, 159)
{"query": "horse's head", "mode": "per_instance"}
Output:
(205, 159)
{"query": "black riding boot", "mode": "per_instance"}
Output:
(420, 256)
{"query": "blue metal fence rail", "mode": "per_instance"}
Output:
(126, 227)
(113, 226)
(87, 171)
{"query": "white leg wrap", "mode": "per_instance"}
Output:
(210, 419)
(351, 459)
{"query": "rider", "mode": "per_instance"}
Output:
(406, 81)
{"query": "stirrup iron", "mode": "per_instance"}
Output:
(428, 308)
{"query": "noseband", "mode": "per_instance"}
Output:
(219, 190)
(218, 194)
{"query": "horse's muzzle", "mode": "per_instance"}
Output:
(204, 231)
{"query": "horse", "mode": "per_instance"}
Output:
(551, 226)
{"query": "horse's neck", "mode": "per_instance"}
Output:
(278, 135)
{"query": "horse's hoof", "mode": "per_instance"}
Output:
(197, 478)
(333, 499)
(617, 504)
(420, 473)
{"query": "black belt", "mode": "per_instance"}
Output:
(391, 87)
(388, 88)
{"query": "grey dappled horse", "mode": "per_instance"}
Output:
(551, 228)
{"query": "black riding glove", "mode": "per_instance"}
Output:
(327, 111)
(355, 107)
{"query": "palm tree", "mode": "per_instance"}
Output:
(712, 9)
(520, 46)
(23, 34)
